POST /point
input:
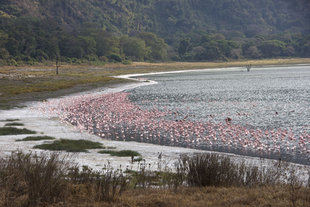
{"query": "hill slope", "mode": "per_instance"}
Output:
(167, 17)
(173, 20)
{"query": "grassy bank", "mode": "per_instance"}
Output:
(28, 83)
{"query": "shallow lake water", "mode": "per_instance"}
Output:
(274, 101)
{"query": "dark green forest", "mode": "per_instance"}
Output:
(152, 30)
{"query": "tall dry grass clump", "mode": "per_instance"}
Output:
(209, 169)
(45, 179)
(104, 185)
(31, 180)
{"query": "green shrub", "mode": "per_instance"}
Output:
(12, 62)
(115, 58)
(122, 153)
(111, 147)
(14, 124)
(70, 145)
(103, 59)
(15, 131)
(9, 120)
(127, 62)
(36, 138)
(138, 159)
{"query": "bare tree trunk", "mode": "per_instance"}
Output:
(57, 66)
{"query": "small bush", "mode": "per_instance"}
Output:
(122, 153)
(70, 145)
(138, 159)
(127, 62)
(103, 59)
(115, 58)
(111, 147)
(36, 138)
(15, 131)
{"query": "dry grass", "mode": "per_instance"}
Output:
(196, 197)
(80, 196)
(49, 180)
(213, 196)
(29, 180)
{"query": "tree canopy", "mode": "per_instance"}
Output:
(145, 30)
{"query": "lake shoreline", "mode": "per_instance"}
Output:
(74, 78)
(274, 155)
(50, 125)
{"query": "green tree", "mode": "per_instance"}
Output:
(107, 44)
(272, 48)
(3, 38)
(134, 48)
(212, 52)
(252, 52)
(184, 47)
(157, 46)
(88, 45)
(4, 54)
(71, 47)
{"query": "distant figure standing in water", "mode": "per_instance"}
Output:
(248, 67)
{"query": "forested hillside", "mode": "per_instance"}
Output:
(152, 30)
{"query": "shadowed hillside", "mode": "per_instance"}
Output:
(166, 17)
(195, 30)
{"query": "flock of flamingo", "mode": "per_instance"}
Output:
(113, 116)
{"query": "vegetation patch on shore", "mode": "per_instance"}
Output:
(15, 131)
(14, 124)
(70, 145)
(9, 120)
(36, 138)
(121, 153)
